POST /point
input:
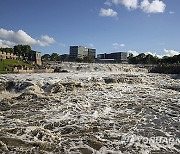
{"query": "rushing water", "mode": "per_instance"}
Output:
(117, 109)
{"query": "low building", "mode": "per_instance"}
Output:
(117, 57)
(6, 55)
(32, 57)
(81, 52)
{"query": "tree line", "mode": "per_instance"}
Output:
(18, 50)
(150, 59)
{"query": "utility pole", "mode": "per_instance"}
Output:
(2, 63)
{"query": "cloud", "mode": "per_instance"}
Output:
(107, 13)
(117, 45)
(91, 45)
(21, 37)
(171, 12)
(108, 3)
(122, 45)
(171, 53)
(168, 53)
(129, 4)
(47, 39)
(61, 44)
(156, 6)
(6, 44)
(153, 54)
(135, 53)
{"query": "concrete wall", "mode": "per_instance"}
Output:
(22, 70)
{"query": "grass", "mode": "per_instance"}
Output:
(10, 63)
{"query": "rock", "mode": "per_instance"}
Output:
(10, 85)
(3, 86)
(60, 70)
(95, 144)
(3, 147)
(110, 80)
(85, 150)
(27, 96)
(5, 105)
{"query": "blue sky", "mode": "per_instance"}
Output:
(107, 25)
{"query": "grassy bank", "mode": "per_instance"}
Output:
(6, 65)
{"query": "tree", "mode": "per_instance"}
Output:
(88, 59)
(64, 57)
(144, 59)
(46, 57)
(8, 50)
(22, 50)
(54, 57)
(79, 60)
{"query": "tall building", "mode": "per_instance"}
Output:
(36, 57)
(119, 57)
(81, 52)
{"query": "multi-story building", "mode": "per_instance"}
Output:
(36, 57)
(119, 57)
(81, 52)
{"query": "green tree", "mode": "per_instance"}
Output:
(46, 57)
(22, 50)
(54, 57)
(143, 59)
(64, 57)
(8, 50)
(79, 60)
(88, 59)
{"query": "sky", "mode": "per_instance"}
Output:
(136, 26)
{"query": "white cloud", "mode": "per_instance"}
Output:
(130, 4)
(108, 3)
(168, 53)
(21, 37)
(6, 44)
(108, 13)
(171, 53)
(122, 45)
(135, 53)
(172, 12)
(153, 54)
(91, 45)
(153, 6)
(61, 44)
(117, 45)
(156, 6)
(47, 39)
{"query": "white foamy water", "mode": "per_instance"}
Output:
(93, 109)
